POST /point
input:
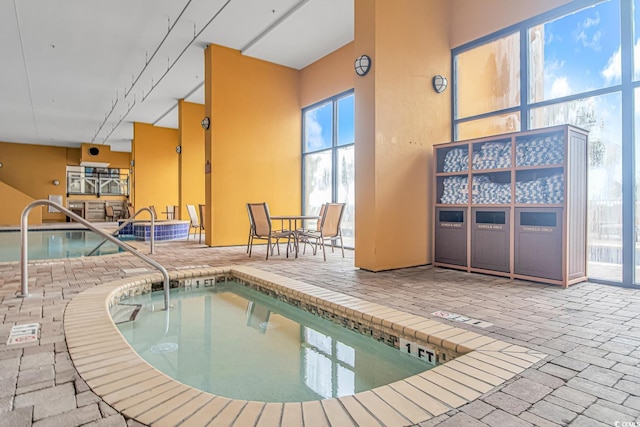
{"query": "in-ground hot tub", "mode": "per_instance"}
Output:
(163, 230)
(125, 381)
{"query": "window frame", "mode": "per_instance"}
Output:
(626, 88)
(334, 148)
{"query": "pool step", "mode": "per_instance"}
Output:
(123, 313)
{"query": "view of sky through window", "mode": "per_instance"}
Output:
(582, 51)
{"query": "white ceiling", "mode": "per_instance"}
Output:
(73, 71)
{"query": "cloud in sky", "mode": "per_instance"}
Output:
(613, 70)
(591, 41)
(314, 131)
(560, 87)
(591, 22)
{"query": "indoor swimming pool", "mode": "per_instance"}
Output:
(233, 341)
(53, 244)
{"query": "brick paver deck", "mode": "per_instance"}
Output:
(590, 332)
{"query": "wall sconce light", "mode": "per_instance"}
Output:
(0, 164)
(439, 83)
(362, 65)
(56, 182)
(179, 149)
(205, 123)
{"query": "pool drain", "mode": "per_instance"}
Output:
(165, 347)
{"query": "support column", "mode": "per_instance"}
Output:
(399, 117)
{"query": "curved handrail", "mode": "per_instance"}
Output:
(24, 252)
(127, 222)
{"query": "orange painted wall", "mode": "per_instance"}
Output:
(191, 160)
(328, 76)
(31, 169)
(253, 144)
(398, 119)
(14, 202)
(155, 170)
(116, 159)
(470, 20)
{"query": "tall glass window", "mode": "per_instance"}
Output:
(488, 77)
(328, 166)
(636, 157)
(574, 61)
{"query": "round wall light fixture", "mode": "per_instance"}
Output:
(205, 123)
(439, 83)
(94, 151)
(56, 182)
(179, 149)
(362, 65)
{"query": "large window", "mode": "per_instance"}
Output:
(571, 65)
(328, 159)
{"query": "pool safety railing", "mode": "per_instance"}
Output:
(127, 222)
(24, 250)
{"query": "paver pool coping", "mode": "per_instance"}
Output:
(116, 373)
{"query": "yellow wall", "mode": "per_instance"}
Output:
(14, 203)
(191, 160)
(328, 76)
(470, 20)
(398, 119)
(31, 169)
(253, 144)
(115, 159)
(155, 170)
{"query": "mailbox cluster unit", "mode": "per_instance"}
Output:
(514, 205)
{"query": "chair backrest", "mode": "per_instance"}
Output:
(153, 209)
(193, 216)
(251, 226)
(108, 210)
(260, 218)
(202, 211)
(323, 208)
(170, 212)
(131, 211)
(331, 219)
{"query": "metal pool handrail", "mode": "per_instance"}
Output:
(129, 221)
(24, 253)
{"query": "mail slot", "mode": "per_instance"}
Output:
(538, 242)
(490, 239)
(451, 236)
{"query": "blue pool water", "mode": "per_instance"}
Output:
(233, 341)
(52, 244)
